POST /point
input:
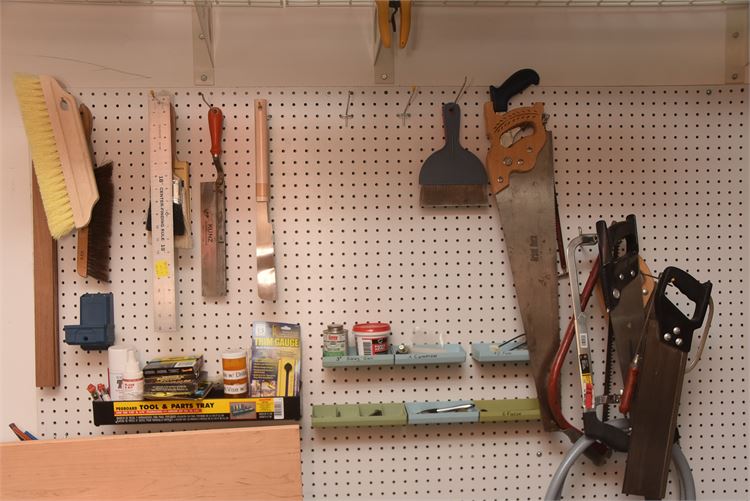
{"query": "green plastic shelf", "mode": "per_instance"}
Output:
(329, 416)
(399, 414)
(522, 409)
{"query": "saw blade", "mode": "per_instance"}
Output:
(213, 240)
(627, 323)
(527, 214)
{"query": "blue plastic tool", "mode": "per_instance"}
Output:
(97, 328)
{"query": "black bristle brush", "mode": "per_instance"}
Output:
(100, 227)
(92, 256)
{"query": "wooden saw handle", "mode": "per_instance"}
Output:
(215, 124)
(261, 150)
(521, 155)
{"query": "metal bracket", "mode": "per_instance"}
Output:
(607, 399)
(203, 44)
(383, 59)
(736, 53)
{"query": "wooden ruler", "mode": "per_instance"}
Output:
(162, 231)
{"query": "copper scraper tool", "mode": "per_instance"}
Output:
(213, 218)
(526, 203)
(656, 399)
(264, 232)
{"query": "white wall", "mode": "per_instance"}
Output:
(150, 47)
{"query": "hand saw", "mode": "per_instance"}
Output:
(656, 398)
(526, 204)
(161, 139)
(622, 286)
(621, 291)
(213, 218)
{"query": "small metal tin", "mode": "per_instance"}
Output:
(334, 341)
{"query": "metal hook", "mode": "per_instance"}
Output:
(460, 91)
(200, 93)
(404, 115)
(347, 116)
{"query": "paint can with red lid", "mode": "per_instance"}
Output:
(373, 338)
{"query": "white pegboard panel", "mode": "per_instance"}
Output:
(354, 245)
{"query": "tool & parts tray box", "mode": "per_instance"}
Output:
(421, 354)
(214, 408)
(400, 414)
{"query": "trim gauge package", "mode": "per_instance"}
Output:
(275, 360)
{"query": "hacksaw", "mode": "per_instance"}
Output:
(162, 232)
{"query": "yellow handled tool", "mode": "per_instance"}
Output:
(385, 18)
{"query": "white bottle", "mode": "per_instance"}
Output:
(132, 381)
(118, 358)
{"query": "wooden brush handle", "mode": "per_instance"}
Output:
(82, 246)
(82, 252)
(87, 121)
(73, 149)
(261, 150)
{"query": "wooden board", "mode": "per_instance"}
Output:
(258, 463)
(46, 345)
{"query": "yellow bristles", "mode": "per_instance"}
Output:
(47, 165)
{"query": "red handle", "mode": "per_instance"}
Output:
(215, 123)
(627, 392)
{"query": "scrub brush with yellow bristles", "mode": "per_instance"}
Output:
(59, 151)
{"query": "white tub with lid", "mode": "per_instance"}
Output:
(373, 338)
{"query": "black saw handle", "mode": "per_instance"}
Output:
(613, 266)
(515, 84)
(673, 324)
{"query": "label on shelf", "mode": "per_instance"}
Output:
(183, 411)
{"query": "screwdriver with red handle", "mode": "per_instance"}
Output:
(632, 377)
